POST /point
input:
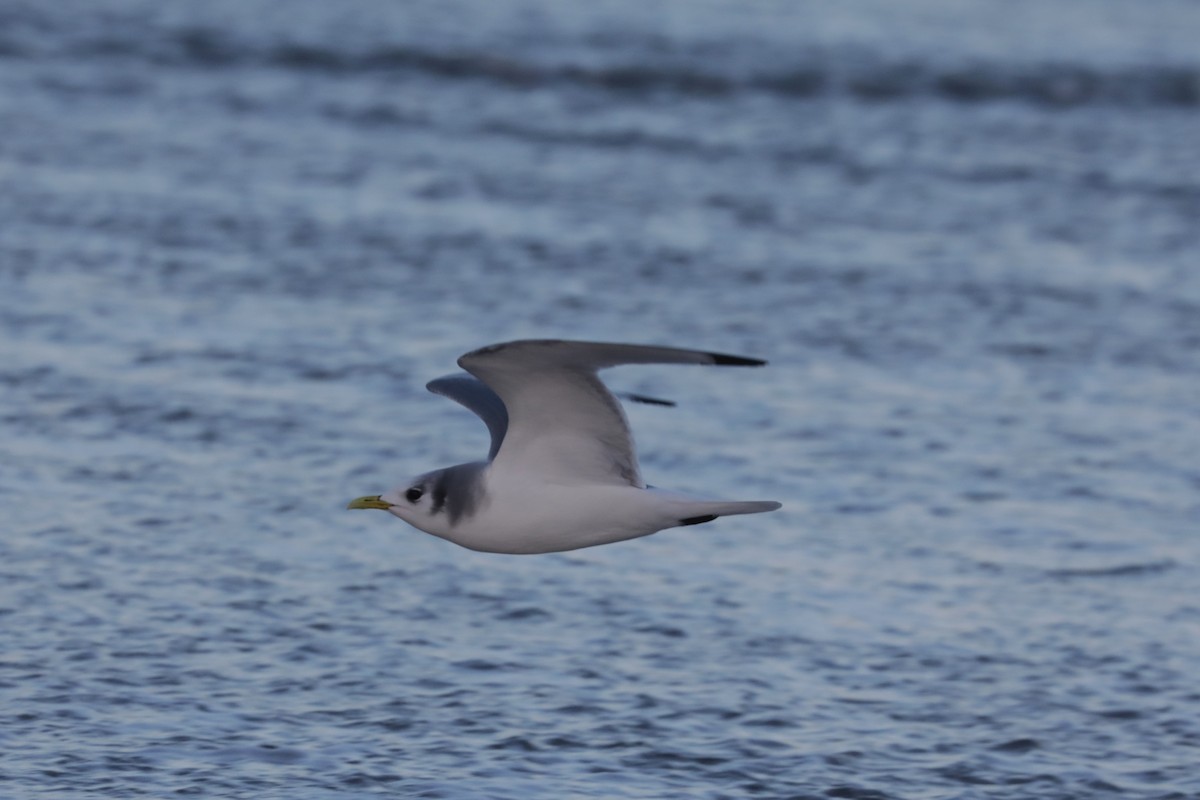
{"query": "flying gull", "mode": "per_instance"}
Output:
(562, 472)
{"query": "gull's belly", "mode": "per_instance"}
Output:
(545, 518)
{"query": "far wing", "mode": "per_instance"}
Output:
(478, 398)
(563, 423)
(474, 395)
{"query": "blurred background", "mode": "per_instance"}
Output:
(237, 238)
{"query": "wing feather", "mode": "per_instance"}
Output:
(475, 396)
(562, 422)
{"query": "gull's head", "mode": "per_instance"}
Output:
(411, 502)
(422, 502)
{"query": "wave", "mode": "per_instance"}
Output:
(1115, 571)
(737, 66)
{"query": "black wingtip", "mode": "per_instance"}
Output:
(724, 360)
(646, 399)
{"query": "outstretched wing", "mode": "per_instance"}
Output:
(474, 395)
(563, 423)
(477, 398)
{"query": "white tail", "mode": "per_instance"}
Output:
(728, 508)
(693, 511)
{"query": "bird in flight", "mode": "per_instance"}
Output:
(562, 472)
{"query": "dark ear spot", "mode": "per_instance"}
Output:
(413, 494)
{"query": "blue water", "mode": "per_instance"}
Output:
(236, 238)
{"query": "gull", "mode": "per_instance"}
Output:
(562, 472)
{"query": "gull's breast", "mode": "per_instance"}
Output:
(542, 517)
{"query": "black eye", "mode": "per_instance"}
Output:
(413, 494)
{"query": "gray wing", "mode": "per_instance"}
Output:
(474, 395)
(563, 423)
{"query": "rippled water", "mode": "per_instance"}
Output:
(237, 238)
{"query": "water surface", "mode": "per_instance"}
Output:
(238, 238)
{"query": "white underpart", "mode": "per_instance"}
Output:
(527, 514)
(566, 474)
